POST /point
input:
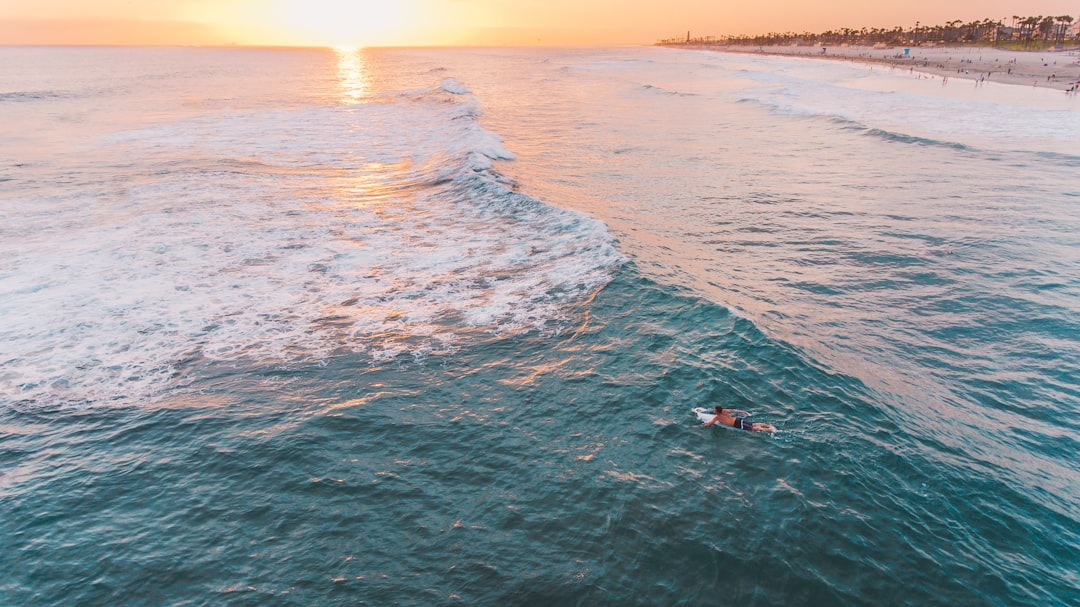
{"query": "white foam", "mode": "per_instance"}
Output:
(453, 86)
(280, 238)
(990, 116)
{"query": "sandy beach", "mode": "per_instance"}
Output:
(1058, 70)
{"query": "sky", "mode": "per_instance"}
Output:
(468, 22)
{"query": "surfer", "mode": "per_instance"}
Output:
(727, 418)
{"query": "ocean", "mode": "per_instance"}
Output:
(425, 327)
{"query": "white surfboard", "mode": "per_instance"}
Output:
(705, 415)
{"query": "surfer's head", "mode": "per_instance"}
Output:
(718, 409)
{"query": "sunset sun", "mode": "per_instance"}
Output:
(343, 22)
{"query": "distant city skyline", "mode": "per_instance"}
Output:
(462, 22)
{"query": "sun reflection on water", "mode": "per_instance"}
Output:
(352, 74)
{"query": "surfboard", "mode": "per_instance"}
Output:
(706, 414)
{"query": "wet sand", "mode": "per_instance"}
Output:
(1059, 70)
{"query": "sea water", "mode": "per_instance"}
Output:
(424, 327)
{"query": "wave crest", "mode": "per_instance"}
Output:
(283, 238)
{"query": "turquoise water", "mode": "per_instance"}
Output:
(424, 327)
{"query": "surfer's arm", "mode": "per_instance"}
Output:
(712, 421)
(739, 411)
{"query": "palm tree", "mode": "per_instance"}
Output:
(1046, 27)
(1063, 25)
(997, 27)
(954, 30)
(1027, 28)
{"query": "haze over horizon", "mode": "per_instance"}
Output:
(458, 22)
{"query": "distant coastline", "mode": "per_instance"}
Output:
(1058, 70)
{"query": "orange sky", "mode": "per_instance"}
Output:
(477, 22)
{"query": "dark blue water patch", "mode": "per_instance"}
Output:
(1065, 160)
(1019, 158)
(890, 136)
(521, 470)
(662, 90)
(30, 96)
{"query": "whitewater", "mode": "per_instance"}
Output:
(426, 326)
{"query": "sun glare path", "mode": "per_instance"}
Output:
(352, 74)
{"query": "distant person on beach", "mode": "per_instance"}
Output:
(726, 417)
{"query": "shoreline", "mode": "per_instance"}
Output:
(1058, 70)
